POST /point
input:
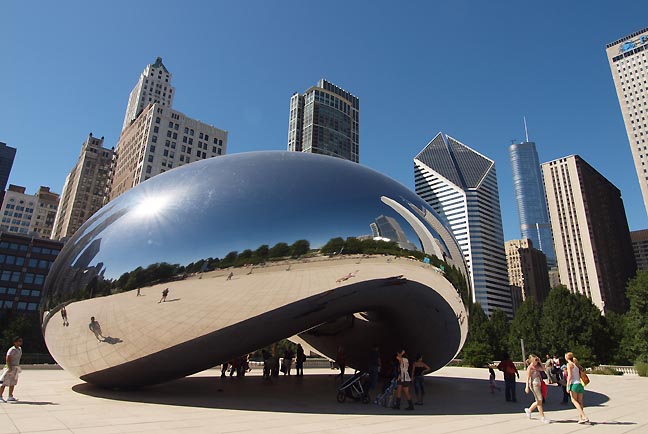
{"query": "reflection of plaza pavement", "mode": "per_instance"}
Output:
(135, 327)
(458, 400)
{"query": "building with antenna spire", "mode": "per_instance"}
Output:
(530, 197)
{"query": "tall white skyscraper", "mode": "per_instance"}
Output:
(153, 86)
(460, 184)
(325, 120)
(629, 64)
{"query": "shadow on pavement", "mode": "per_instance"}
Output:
(317, 393)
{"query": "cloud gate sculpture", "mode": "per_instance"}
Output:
(253, 248)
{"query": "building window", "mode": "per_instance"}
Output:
(148, 169)
(152, 148)
(157, 120)
(154, 139)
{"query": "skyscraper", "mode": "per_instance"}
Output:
(153, 86)
(86, 189)
(593, 246)
(530, 198)
(7, 155)
(159, 138)
(640, 247)
(460, 184)
(628, 62)
(527, 269)
(325, 120)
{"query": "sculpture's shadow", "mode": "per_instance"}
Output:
(317, 394)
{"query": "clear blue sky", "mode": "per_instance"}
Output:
(469, 68)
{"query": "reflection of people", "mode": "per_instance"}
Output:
(340, 360)
(164, 295)
(138, 292)
(64, 316)
(96, 329)
(299, 361)
(12, 369)
(230, 275)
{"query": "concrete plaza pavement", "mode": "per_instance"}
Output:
(458, 400)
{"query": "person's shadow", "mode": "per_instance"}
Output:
(173, 299)
(112, 341)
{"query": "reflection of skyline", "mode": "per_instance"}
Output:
(388, 228)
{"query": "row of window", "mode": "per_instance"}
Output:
(14, 276)
(23, 292)
(21, 305)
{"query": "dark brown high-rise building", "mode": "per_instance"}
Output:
(527, 269)
(590, 231)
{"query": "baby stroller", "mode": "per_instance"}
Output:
(354, 389)
(387, 396)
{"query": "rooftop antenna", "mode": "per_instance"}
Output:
(526, 131)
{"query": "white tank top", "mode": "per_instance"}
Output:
(575, 375)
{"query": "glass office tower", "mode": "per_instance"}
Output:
(531, 200)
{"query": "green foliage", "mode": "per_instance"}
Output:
(299, 248)
(498, 333)
(477, 354)
(26, 325)
(620, 342)
(642, 369)
(525, 325)
(279, 250)
(605, 371)
(637, 316)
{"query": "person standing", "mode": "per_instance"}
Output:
(64, 316)
(534, 383)
(491, 381)
(404, 381)
(96, 329)
(373, 366)
(510, 371)
(12, 369)
(299, 361)
(575, 387)
(419, 368)
(340, 360)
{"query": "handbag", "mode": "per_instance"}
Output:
(584, 378)
(543, 375)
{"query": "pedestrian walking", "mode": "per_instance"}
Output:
(576, 389)
(419, 369)
(164, 295)
(510, 372)
(340, 360)
(11, 371)
(404, 381)
(534, 384)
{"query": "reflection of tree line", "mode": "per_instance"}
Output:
(164, 272)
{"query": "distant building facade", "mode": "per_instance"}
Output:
(530, 198)
(640, 248)
(527, 270)
(388, 228)
(460, 184)
(29, 214)
(325, 120)
(24, 264)
(86, 189)
(591, 235)
(153, 87)
(159, 140)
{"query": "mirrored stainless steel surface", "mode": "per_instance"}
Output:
(254, 248)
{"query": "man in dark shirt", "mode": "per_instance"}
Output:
(510, 371)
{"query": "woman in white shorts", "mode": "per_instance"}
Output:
(11, 370)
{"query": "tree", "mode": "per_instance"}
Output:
(262, 252)
(279, 250)
(525, 325)
(299, 248)
(477, 351)
(637, 316)
(333, 246)
(498, 333)
(570, 320)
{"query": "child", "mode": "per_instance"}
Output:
(491, 380)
